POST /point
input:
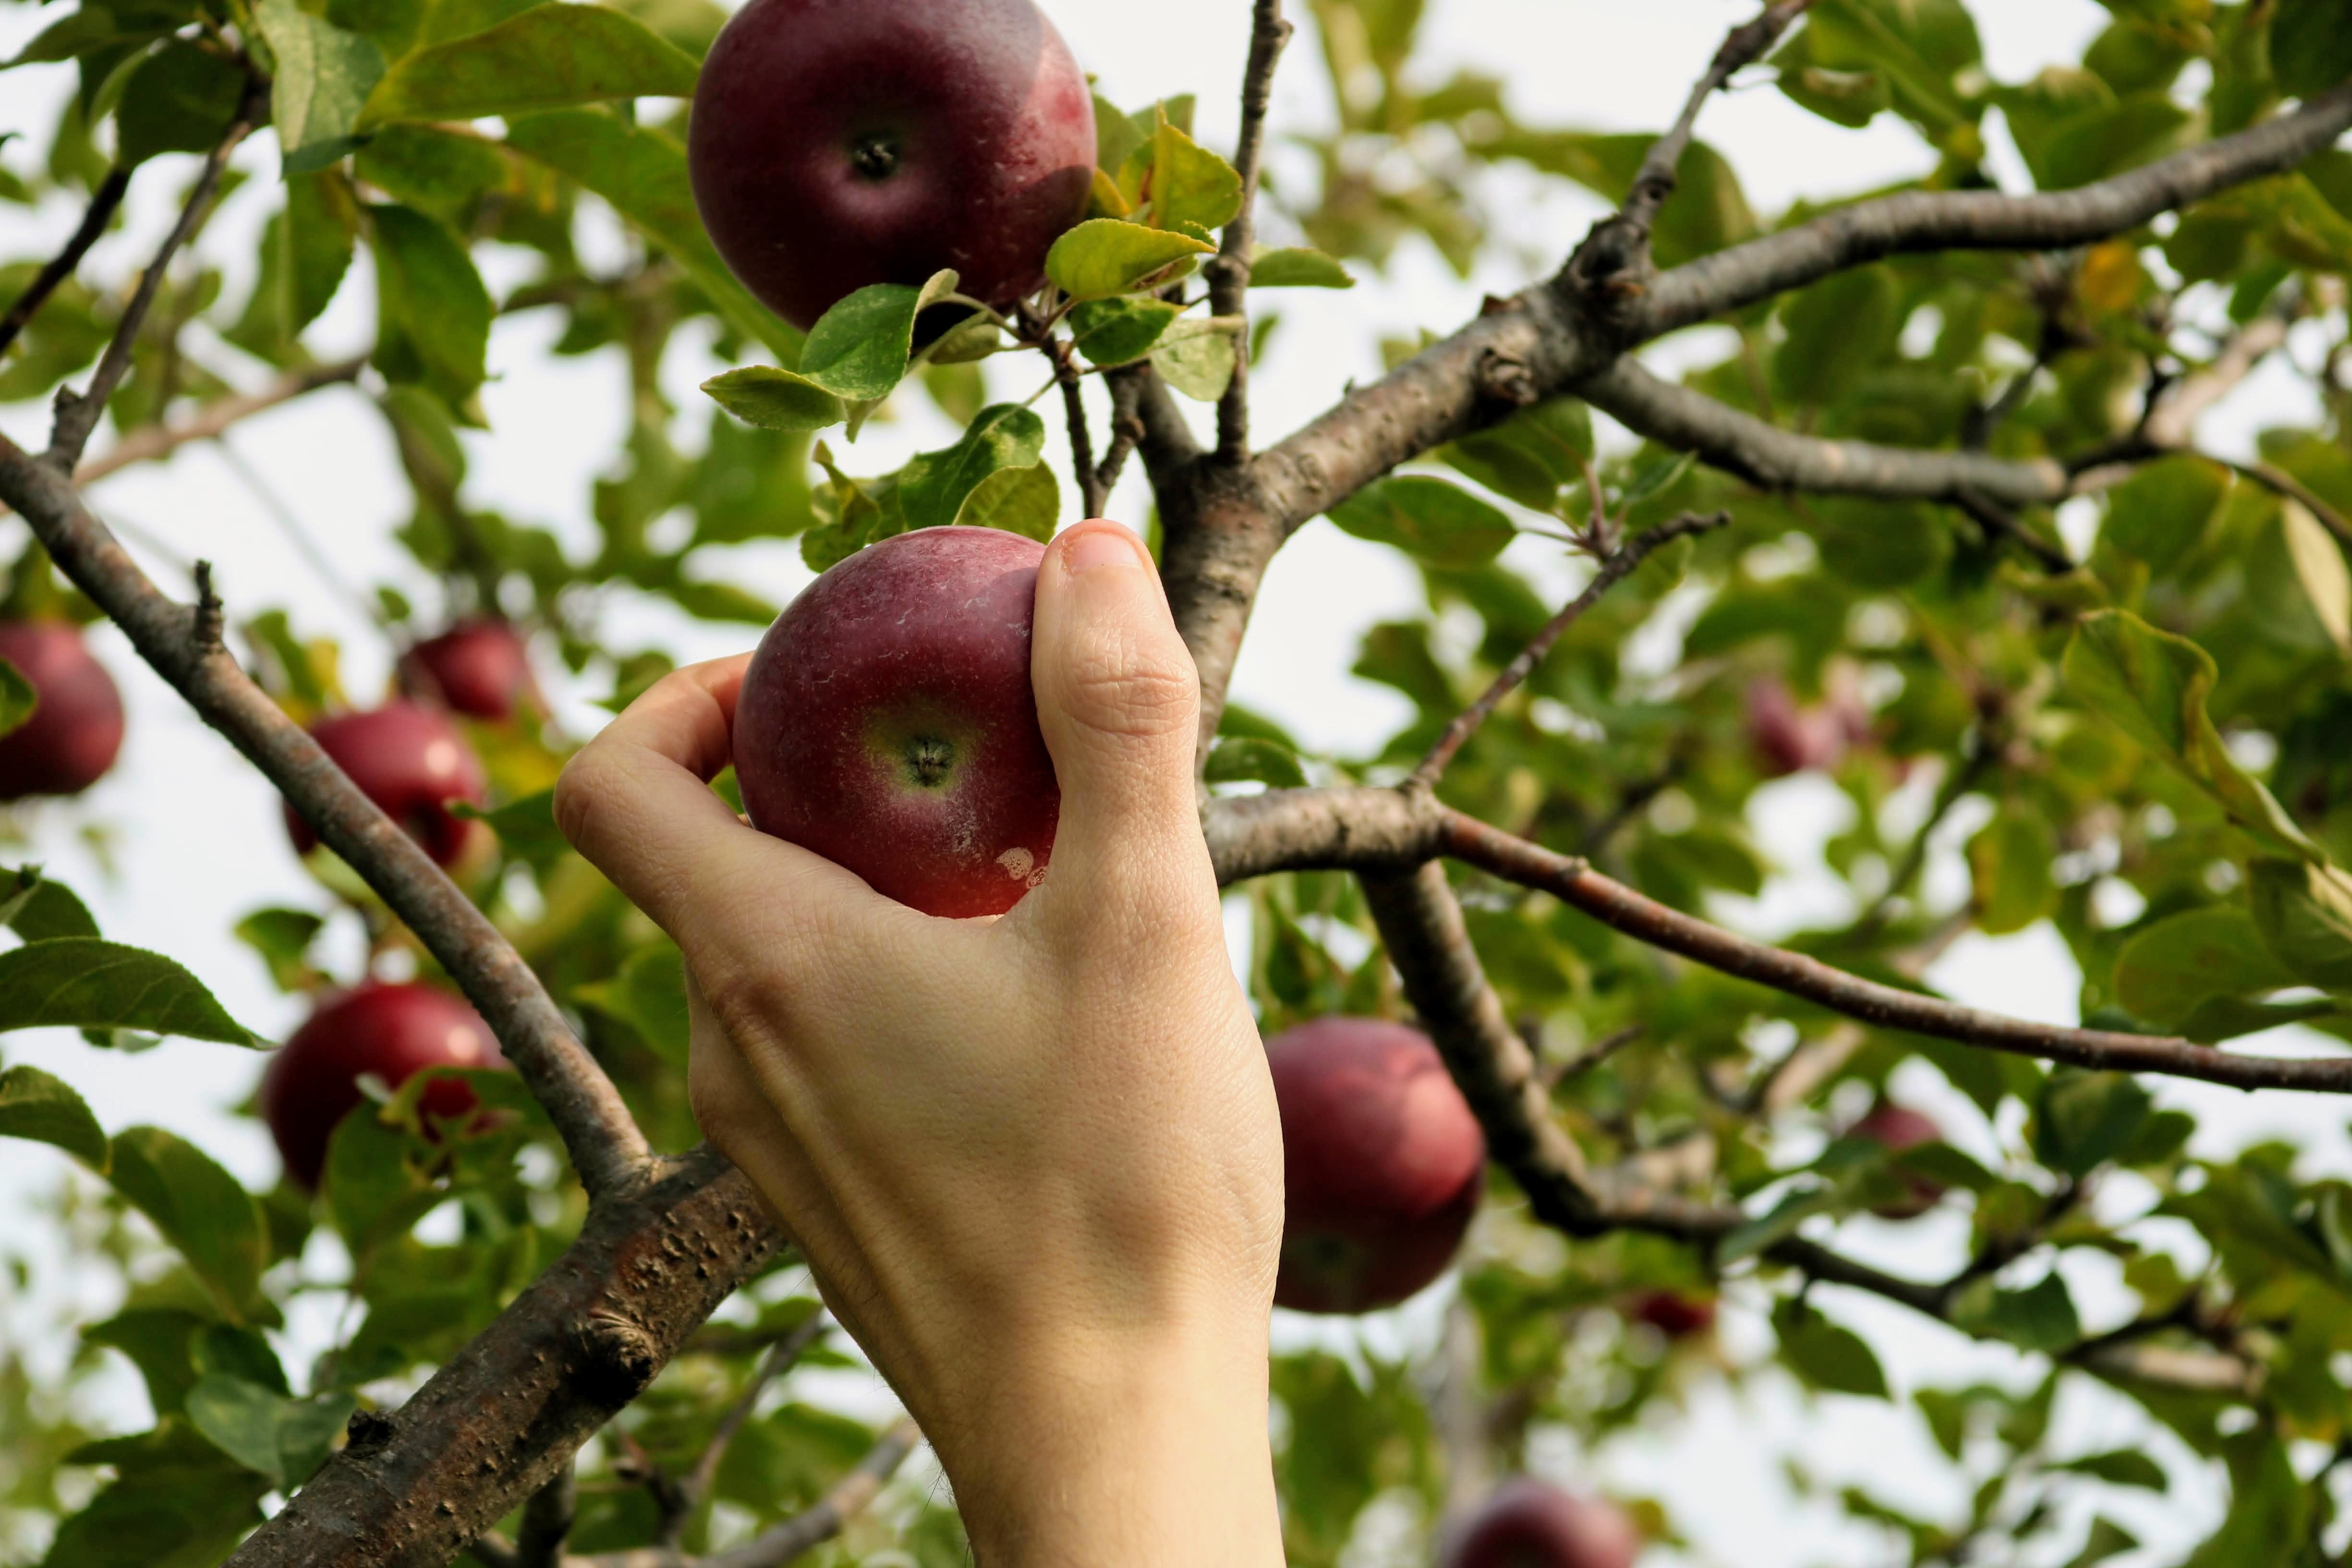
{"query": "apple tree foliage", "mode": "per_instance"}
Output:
(2142, 723)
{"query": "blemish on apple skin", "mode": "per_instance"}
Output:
(1018, 864)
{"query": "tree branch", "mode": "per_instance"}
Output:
(1613, 570)
(1615, 256)
(1126, 431)
(1229, 274)
(78, 413)
(60, 267)
(546, 1519)
(1986, 220)
(606, 1148)
(1082, 443)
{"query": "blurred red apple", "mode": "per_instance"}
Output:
(1383, 1163)
(391, 1031)
(1677, 1314)
(835, 144)
(886, 722)
(480, 668)
(1897, 1127)
(1527, 1523)
(1788, 738)
(75, 727)
(413, 763)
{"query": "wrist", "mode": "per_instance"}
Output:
(1148, 1451)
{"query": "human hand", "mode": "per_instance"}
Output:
(1034, 1162)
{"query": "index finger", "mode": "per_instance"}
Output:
(637, 802)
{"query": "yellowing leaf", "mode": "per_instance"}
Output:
(1103, 256)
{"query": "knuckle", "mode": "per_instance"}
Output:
(577, 789)
(1126, 688)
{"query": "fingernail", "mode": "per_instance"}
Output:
(1098, 548)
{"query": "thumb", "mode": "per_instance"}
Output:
(1120, 702)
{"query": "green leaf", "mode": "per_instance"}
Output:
(2161, 512)
(551, 57)
(1838, 330)
(316, 240)
(2319, 566)
(775, 399)
(1027, 501)
(2010, 860)
(932, 489)
(1105, 256)
(649, 995)
(1774, 1225)
(1426, 518)
(240, 1419)
(46, 1109)
(2169, 971)
(2268, 1508)
(18, 698)
(1197, 358)
(433, 313)
(376, 1186)
(643, 174)
(198, 1207)
(2304, 914)
(444, 173)
(1531, 456)
(2153, 685)
(283, 939)
(40, 909)
(2039, 1318)
(2082, 1120)
(180, 99)
(323, 75)
(1825, 1355)
(176, 1502)
(1117, 331)
(81, 981)
(2311, 46)
(2122, 1467)
(1298, 267)
(858, 348)
(1243, 760)
(527, 827)
(1189, 185)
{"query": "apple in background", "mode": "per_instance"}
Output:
(1527, 1523)
(835, 144)
(1897, 1127)
(1383, 1163)
(391, 1031)
(480, 668)
(1677, 1314)
(413, 763)
(886, 722)
(75, 727)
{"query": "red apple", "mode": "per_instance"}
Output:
(480, 668)
(75, 727)
(1788, 738)
(1677, 1314)
(1383, 1163)
(1897, 1127)
(1527, 1523)
(886, 722)
(413, 763)
(835, 144)
(391, 1031)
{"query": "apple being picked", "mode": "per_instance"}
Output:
(479, 668)
(393, 1032)
(75, 727)
(1383, 1163)
(413, 765)
(886, 722)
(837, 144)
(1527, 1523)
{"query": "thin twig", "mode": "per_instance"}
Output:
(1125, 432)
(547, 1521)
(160, 440)
(695, 1485)
(297, 535)
(2278, 482)
(1228, 273)
(1593, 1055)
(78, 413)
(1613, 570)
(60, 267)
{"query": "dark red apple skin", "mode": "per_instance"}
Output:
(413, 763)
(1530, 1524)
(983, 118)
(1383, 1163)
(1677, 1314)
(391, 1031)
(480, 668)
(1788, 738)
(76, 729)
(1897, 1127)
(886, 722)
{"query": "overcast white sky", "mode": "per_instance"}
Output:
(197, 842)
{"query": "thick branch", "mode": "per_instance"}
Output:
(60, 267)
(606, 1146)
(150, 442)
(1229, 275)
(78, 413)
(1613, 570)
(1986, 220)
(1391, 831)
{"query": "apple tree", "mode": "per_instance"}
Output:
(1843, 528)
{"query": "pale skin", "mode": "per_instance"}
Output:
(1032, 1162)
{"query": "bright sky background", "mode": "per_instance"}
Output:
(196, 840)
